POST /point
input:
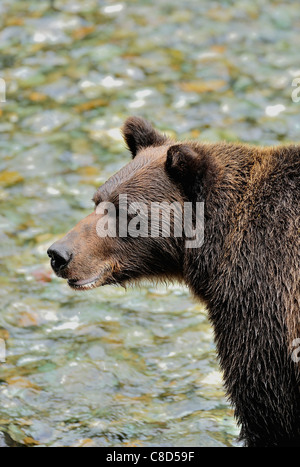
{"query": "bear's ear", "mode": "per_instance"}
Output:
(139, 134)
(182, 165)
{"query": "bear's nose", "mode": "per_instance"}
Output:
(60, 256)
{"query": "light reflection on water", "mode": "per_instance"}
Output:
(114, 367)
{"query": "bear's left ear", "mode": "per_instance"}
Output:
(139, 134)
(182, 165)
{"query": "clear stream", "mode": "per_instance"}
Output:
(112, 367)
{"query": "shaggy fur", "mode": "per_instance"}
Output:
(247, 271)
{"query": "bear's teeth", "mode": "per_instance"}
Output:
(82, 283)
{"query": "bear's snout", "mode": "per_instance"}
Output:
(60, 257)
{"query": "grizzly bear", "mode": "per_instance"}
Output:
(245, 269)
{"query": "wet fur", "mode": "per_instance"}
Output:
(247, 271)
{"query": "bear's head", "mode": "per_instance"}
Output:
(136, 230)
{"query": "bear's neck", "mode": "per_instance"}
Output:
(223, 184)
(236, 273)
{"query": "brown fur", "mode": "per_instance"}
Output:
(247, 270)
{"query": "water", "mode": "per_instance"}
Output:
(112, 367)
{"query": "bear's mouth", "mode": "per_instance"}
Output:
(104, 278)
(84, 284)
